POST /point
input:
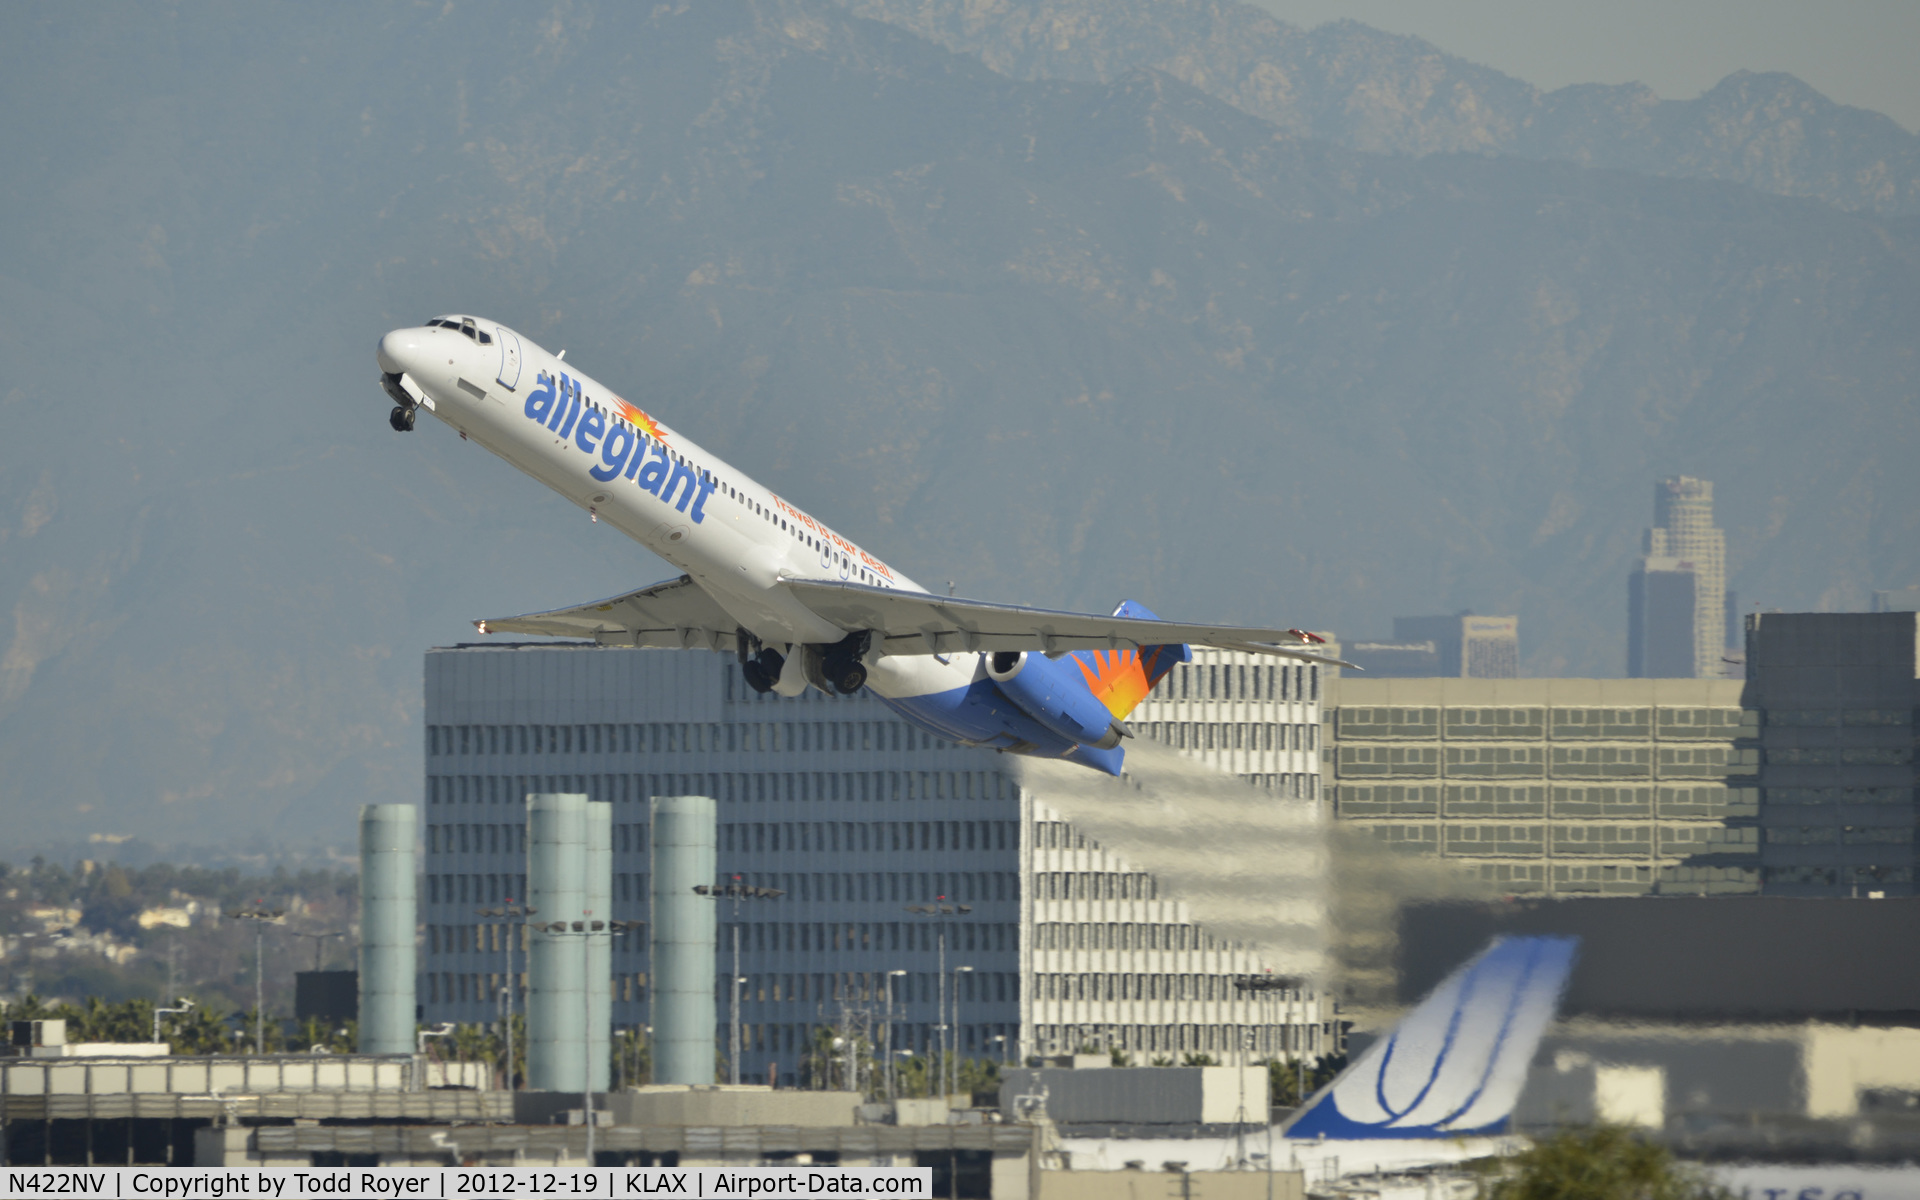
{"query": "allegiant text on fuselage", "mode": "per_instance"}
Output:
(562, 406)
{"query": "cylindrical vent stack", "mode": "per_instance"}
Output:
(600, 945)
(556, 962)
(387, 920)
(681, 926)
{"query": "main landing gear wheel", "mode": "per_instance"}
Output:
(840, 667)
(762, 671)
(401, 418)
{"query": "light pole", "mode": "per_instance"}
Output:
(585, 930)
(511, 911)
(892, 1094)
(942, 910)
(735, 891)
(261, 918)
(1286, 985)
(957, 972)
(1240, 1117)
(319, 940)
(186, 1005)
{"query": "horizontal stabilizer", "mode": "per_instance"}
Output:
(919, 623)
(1454, 1066)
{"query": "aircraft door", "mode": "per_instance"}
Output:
(509, 359)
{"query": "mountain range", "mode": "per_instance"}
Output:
(1356, 86)
(1063, 324)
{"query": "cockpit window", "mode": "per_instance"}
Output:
(463, 325)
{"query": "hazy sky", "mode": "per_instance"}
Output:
(1860, 52)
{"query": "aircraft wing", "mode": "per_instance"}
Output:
(677, 614)
(919, 623)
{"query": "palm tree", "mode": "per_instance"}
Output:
(477, 1043)
(632, 1063)
(98, 1021)
(1283, 1077)
(202, 1031)
(29, 1008)
(269, 1031)
(913, 1077)
(331, 1037)
(979, 1075)
(824, 1066)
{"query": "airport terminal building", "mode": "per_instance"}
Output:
(1043, 940)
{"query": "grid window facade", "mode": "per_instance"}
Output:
(1653, 779)
(856, 816)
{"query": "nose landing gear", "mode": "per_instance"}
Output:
(401, 418)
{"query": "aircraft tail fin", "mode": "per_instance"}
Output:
(1454, 1066)
(1121, 679)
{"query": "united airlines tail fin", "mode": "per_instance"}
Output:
(1454, 1066)
(1121, 679)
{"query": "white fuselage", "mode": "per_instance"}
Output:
(734, 537)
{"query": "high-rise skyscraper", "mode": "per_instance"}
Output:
(1676, 598)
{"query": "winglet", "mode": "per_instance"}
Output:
(1454, 1066)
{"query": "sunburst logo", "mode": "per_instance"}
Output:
(641, 421)
(1121, 679)
(1115, 678)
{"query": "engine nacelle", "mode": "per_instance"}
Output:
(1053, 692)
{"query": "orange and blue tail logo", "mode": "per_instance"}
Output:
(1121, 679)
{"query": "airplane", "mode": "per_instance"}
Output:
(1454, 1066)
(1439, 1087)
(798, 603)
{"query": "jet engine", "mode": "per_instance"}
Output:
(1053, 692)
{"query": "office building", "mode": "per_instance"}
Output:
(860, 819)
(1469, 647)
(1906, 599)
(1395, 660)
(1554, 786)
(1677, 594)
(1660, 611)
(1462, 646)
(1117, 964)
(1837, 777)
